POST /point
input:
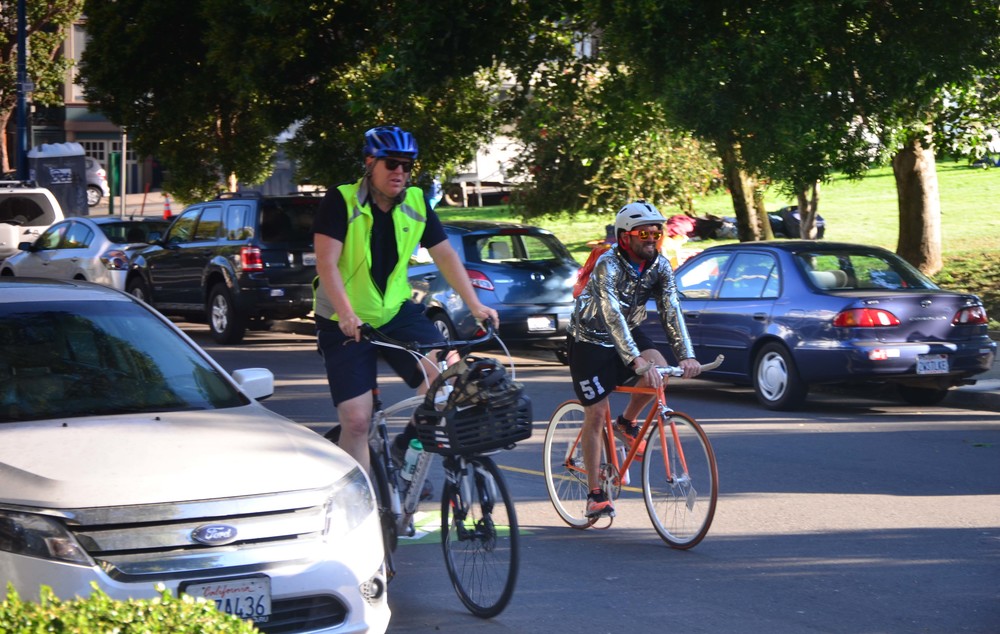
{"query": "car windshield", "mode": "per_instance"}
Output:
(849, 270)
(126, 231)
(98, 358)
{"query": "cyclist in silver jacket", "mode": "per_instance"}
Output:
(605, 346)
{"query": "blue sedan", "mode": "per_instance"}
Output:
(791, 314)
(523, 272)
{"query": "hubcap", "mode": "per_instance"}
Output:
(772, 376)
(220, 312)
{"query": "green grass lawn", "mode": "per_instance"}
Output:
(864, 211)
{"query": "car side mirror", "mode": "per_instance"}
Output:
(257, 383)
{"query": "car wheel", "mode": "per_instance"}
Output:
(776, 379)
(93, 195)
(223, 321)
(138, 288)
(6, 273)
(562, 354)
(921, 396)
(443, 325)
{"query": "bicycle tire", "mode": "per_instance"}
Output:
(565, 474)
(481, 549)
(681, 508)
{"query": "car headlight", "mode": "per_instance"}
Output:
(349, 504)
(39, 536)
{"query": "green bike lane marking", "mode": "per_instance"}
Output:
(427, 529)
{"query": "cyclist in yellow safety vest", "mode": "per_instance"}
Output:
(364, 234)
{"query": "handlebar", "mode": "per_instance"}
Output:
(672, 370)
(370, 333)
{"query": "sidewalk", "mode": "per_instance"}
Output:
(151, 204)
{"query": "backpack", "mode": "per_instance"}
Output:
(588, 267)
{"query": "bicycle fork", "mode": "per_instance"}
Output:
(471, 481)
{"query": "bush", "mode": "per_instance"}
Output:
(99, 613)
(977, 273)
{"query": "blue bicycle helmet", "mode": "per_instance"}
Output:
(390, 140)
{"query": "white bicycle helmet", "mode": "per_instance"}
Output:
(637, 214)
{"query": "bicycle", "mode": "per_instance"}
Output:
(680, 480)
(479, 531)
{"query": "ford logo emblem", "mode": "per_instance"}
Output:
(214, 534)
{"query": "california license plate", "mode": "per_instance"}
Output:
(246, 597)
(541, 323)
(932, 364)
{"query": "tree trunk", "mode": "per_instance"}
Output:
(742, 187)
(763, 221)
(808, 198)
(919, 206)
(4, 154)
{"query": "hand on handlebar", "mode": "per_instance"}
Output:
(484, 313)
(691, 368)
(351, 325)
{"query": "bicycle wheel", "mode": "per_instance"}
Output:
(681, 506)
(479, 537)
(565, 474)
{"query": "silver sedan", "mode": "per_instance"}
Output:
(95, 249)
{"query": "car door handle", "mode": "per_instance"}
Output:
(692, 316)
(760, 316)
(429, 277)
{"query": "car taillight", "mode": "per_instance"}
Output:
(479, 280)
(865, 318)
(115, 260)
(250, 259)
(970, 316)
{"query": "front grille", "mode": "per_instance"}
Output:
(155, 541)
(304, 614)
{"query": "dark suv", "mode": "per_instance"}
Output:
(239, 261)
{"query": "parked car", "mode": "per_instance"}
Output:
(97, 181)
(131, 459)
(523, 272)
(26, 210)
(788, 315)
(96, 249)
(239, 261)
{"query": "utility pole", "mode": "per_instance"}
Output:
(22, 90)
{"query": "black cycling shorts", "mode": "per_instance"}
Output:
(352, 367)
(597, 370)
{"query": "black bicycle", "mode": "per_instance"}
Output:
(471, 410)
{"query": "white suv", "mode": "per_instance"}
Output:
(129, 458)
(25, 212)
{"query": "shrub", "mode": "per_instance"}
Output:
(99, 613)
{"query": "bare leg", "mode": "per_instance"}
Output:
(594, 417)
(355, 418)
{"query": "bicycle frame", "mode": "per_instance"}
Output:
(658, 410)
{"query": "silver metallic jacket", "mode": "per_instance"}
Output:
(614, 302)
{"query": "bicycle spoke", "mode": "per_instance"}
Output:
(479, 538)
(680, 481)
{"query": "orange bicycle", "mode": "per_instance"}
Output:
(680, 480)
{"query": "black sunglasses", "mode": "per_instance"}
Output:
(392, 164)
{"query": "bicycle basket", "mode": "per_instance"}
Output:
(484, 410)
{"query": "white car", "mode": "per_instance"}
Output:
(92, 248)
(131, 459)
(25, 212)
(97, 181)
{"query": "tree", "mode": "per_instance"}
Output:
(47, 22)
(802, 89)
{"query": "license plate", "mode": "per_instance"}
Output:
(932, 364)
(541, 322)
(247, 598)
(308, 259)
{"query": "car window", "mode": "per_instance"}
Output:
(52, 236)
(847, 270)
(99, 358)
(79, 236)
(238, 222)
(24, 210)
(288, 220)
(183, 228)
(209, 223)
(127, 232)
(699, 279)
(751, 276)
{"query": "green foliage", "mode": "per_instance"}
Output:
(48, 23)
(100, 613)
(977, 273)
(591, 147)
